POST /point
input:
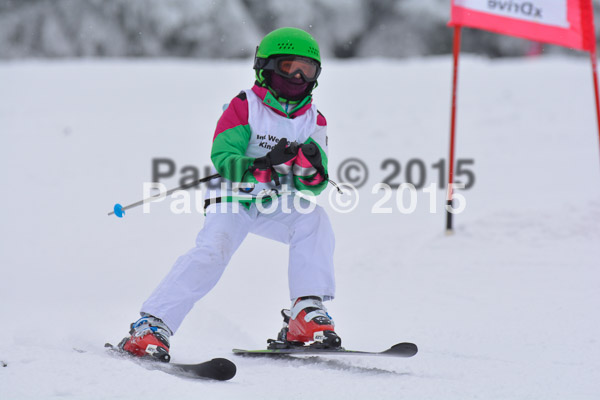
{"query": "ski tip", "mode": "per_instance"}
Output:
(403, 349)
(223, 369)
(118, 210)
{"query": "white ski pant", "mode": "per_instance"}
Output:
(310, 267)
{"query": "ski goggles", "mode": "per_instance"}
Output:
(290, 66)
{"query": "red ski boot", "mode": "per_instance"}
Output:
(149, 338)
(309, 323)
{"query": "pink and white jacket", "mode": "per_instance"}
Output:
(253, 122)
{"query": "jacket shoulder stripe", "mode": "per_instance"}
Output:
(235, 114)
(321, 121)
(241, 96)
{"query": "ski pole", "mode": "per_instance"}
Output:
(119, 210)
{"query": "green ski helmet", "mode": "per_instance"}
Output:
(287, 42)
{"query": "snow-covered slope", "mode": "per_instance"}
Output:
(505, 308)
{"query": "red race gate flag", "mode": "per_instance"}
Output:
(568, 23)
(563, 22)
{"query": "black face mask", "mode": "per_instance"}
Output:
(289, 88)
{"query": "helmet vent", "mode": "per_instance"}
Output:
(313, 51)
(286, 46)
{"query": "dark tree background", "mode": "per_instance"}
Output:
(232, 28)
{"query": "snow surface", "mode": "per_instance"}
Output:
(507, 308)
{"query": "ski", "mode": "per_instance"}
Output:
(397, 350)
(220, 369)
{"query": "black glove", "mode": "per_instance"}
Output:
(280, 154)
(313, 155)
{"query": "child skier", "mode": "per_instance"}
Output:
(270, 141)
